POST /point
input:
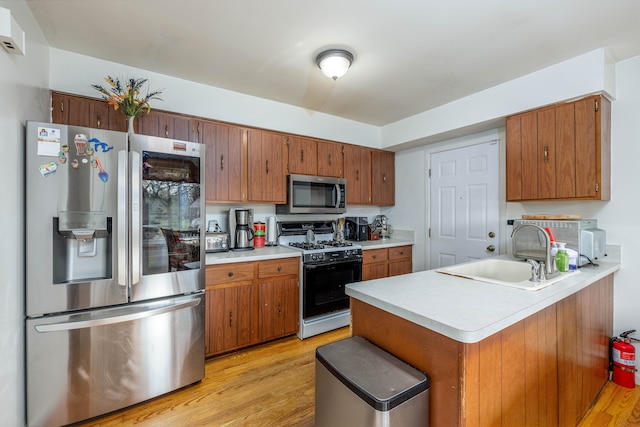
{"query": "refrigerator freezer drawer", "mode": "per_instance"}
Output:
(88, 364)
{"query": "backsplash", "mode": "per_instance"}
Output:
(220, 213)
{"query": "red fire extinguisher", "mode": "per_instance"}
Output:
(622, 360)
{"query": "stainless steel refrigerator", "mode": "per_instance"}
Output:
(114, 270)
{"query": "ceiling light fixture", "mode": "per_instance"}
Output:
(334, 63)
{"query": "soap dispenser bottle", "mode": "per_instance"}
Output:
(562, 258)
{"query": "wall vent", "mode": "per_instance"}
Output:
(11, 35)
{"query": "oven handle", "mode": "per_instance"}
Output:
(315, 265)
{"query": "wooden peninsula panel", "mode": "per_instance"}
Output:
(545, 370)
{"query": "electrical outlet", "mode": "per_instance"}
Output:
(509, 222)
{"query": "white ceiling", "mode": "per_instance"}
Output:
(410, 55)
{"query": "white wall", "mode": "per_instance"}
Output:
(411, 211)
(75, 73)
(588, 73)
(24, 87)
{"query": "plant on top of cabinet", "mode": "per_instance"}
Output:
(560, 152)
(127, 96)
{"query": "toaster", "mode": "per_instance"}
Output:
(582, 235)
(216, 242)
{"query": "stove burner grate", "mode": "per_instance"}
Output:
(335, 243)
(307, 246)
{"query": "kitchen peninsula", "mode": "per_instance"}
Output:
(496, 355)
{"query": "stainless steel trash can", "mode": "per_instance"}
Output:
(359, 384)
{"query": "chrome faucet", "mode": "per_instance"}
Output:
(540, 270)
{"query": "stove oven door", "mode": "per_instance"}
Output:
(323, 286)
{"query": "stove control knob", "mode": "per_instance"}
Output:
(314, 256)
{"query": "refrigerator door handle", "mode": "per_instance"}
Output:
(136, 205)
(122, 218)
(134, 315)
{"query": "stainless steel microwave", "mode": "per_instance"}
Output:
(308, 194)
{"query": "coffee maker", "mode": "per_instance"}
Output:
(241, 229)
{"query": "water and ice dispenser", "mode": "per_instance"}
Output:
(82, 246)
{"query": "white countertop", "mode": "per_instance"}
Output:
(467, 310)
(386, 243)
(274, 252)
(257, 254)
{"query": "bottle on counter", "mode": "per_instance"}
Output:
(259, 234)
(573, 259)
(562, 258)
(554, 252)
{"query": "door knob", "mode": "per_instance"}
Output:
(491, 248)
(492, 234)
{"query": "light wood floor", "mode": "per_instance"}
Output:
(269, 385)
(273, 385)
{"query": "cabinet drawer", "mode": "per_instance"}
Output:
(278, 267)
(400, 252)
(374, 255)
(226, 273)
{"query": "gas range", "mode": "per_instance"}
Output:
(315, 240)
(327, 266)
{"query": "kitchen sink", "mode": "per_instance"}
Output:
(515, 274)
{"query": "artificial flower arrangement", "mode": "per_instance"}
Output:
(128, 97)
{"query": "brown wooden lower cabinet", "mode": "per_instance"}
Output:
(545, 370)
(249, 303)
(385, 262)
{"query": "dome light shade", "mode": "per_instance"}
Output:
(334, 63)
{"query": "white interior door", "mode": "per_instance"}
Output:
(464, 208)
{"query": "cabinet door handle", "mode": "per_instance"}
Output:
(384, 178)
(546, 154)
(267, 168)
(166, 131)
(329, 159)
(302, 155)
(231, 274)
(98, 121)
(358, 175)
(221, 163)
(61, 106)
(230, 318)
(279, 268)
(375, 257)
(279, 308)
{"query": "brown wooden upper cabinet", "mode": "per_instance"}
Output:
(87, 112)
(225, 154)
(560, 152)
(166, 125)
(303, 155)
(357, 171)
(330, 159)
(248, 165)
(266, 172)
(382, 178)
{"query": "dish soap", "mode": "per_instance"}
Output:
(562, 258)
